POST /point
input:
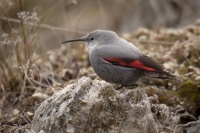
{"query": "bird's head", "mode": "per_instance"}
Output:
(97, 37)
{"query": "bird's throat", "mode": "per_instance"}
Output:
(92, 46)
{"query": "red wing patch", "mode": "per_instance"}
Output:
(138, 64)
(134, 64)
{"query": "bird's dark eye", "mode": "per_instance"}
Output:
(91, 38)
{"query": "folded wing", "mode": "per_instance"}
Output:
(143, 62)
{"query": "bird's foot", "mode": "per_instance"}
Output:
(131, 86)
(119, 87)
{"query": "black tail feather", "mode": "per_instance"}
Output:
(164, 75)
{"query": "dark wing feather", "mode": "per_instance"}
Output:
(143, 62)
(147, 61)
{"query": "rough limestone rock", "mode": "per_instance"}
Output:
(94, 107)
(191, 127)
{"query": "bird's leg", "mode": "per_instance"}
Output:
(119, 87)
(132, 86)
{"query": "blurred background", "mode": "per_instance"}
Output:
(34, 65)
(82, 16)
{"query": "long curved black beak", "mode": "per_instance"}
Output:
(75, 40)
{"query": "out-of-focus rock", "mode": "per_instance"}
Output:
(47, 78)
(95, 107)
(186, 118)
(192, 127)
(67, 74)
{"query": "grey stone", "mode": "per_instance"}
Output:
(95, 107)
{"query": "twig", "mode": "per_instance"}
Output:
(80, 73)
(191, 64)
(69, 50)
(28, 121)
(26, 50)
(80, 32)
(42, 25)
(155, 42)
(38, 83)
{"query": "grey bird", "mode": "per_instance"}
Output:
(118, 61)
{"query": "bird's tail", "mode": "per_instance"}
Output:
(164, 75)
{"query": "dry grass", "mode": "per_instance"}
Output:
(17, 70)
